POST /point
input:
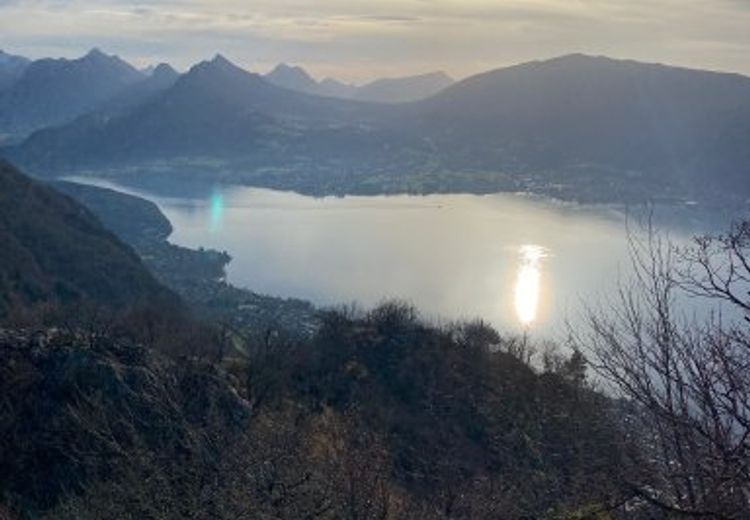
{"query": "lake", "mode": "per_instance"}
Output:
(520, 263)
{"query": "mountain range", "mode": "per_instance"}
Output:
(218, 114)
(584, 127)
(50, 92)
(53, 91)
(386, 90)
(159, 79)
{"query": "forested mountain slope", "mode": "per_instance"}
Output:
(56, 251)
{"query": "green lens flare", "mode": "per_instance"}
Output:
(217, 211)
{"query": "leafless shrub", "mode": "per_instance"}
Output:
(689, 378)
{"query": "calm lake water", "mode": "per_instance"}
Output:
(508, 260)
(516, 262)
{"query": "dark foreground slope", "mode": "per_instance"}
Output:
(379, 416)
(81, 410)
(56, 251)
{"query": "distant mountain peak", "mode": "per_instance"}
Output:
(96, 53)
(164, 70)
(281, 67)
(284, 68)
(334, 81)
(577, 56)
(217, 65)
(221, 60)
(77, 86)
(293, 78)
(409, 88)
(99, 58)
(405, 89)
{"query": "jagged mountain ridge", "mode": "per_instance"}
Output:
(623, 130)
(215, 110)
(161, 78)
(54, 91)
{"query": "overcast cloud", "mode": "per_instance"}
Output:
(358, 40)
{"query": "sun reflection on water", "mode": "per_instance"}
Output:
(529, 283)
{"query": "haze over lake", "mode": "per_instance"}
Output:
(516, 262)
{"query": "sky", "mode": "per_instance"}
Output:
(357, 40)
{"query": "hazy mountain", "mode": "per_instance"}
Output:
(161, 78)
(54, 250)
(53, 91)
(401, 90)
(577, 126)
(584, 117)
(297, 78)
(392, 90)
(213, 114)
(293, 78)
(223, 85)
(151, 69)
(335, 88)
(11, 69)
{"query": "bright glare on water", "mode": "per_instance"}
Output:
(529, 283)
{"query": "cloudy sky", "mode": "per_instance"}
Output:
(359, 39)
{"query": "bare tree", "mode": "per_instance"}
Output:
(688, 378)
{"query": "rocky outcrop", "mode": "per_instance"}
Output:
(78, 408)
